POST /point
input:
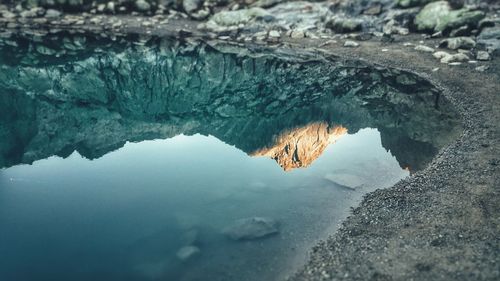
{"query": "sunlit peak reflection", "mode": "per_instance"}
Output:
(299, 147)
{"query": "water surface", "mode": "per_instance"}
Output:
(117, 154)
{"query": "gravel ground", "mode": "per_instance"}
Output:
(443, 223)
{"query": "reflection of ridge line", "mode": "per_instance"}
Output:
(307, 142)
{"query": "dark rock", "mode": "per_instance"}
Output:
(463, 30)
(412, 3)
(344, 25)
(489, 39)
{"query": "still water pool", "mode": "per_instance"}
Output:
(154, 159)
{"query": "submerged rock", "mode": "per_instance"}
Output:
(188, 252)
(346, 180)
(251, 228)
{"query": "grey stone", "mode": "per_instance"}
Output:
(142, 6)
(297, 34)
(423, 48)
(458, 43)
(191, 5)
(7, 14)
(51, 13)
(274, 34)
(350, 43)
(482, 55)
(344, 25)
(454, 58)
(438, 16)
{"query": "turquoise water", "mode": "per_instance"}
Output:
(130, 160)
(125, 215)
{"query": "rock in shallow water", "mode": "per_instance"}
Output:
(345, 180)
(186, 253)
(251, 228)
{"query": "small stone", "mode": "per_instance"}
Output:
(423, 48)
(482, 55)
(373, 10)
(101, 7)
(344, 25)
(454, 58)
(350, 43)
(142, 6)
(274, 34)
(51, 13)
(458, 43)
(8, 15)
(297, 34)
(440, 54)
(45, 50)
(482, 68)
(110, 7)
(186, 253)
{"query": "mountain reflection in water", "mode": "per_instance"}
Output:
(138, 154)
(93, 101)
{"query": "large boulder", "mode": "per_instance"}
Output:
(439, 16)
(251, 228)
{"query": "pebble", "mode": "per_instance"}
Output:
(482, 68)
(350, 43)
(483, 56)
(274, 34)
(423, 48)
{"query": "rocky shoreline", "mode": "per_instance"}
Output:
(440, 224)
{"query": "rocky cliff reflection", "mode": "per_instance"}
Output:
(67, 93)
